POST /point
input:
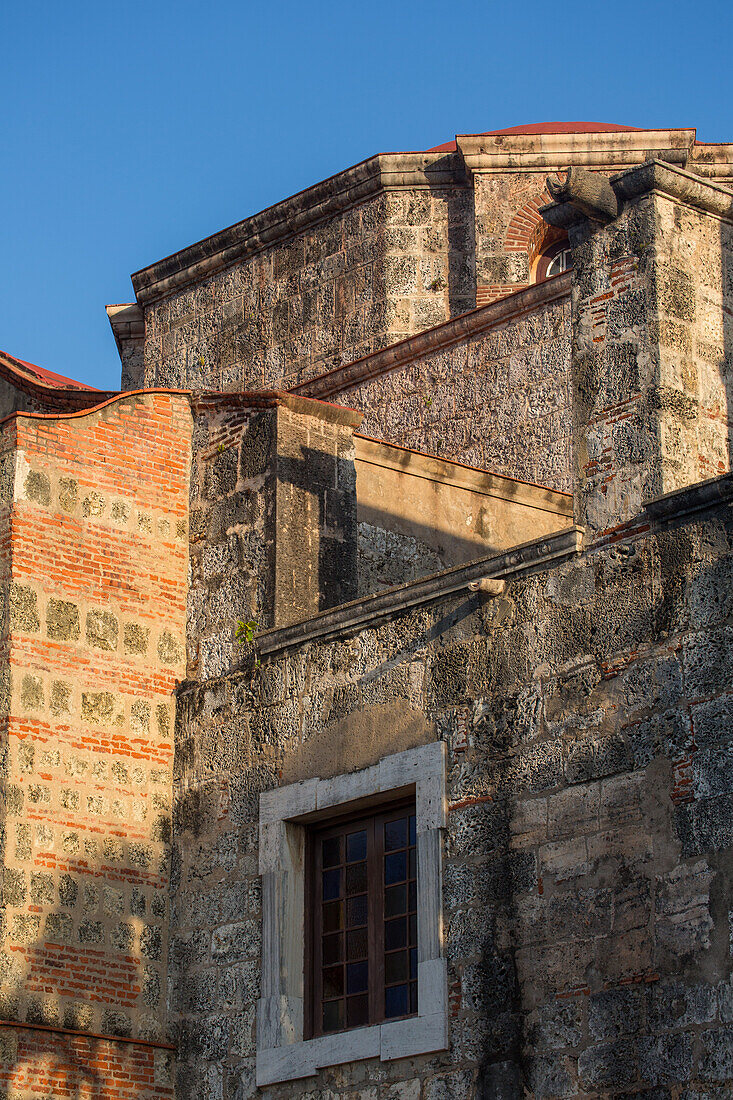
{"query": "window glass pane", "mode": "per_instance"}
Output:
(356, 878)
(413, 928)
(331, 851)
(395, 967)
(395, 1001)
(357, 944)
(395, 867)
(395, 933)
(333, 1015)
(331, 884)
(356, 845)
(412, 829)
(395, 899)
(357, 977)
(332, 948)
(357, 910)
(395, 834)
(357, 1011)
(333, 981)
(413, 962)
(413, 895)
(333, 916)
(413, 863)
(413, 996)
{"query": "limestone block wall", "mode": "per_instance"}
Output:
(95, 576)
(365, 277)
(499, 399)
(587, 860)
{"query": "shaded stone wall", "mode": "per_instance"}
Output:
(499, 401)
(587, 858)
(96, 603)
(393, 265)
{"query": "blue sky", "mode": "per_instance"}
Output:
(130, 132)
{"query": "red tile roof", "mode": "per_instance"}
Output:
(40, 374)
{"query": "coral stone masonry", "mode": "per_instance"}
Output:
(367, 718)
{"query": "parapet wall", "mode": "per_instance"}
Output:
(97, 559)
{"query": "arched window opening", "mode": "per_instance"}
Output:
(553, 261)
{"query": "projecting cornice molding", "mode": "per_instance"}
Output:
(677, 184)
(384, 172)
(438, 338)
(543, 152)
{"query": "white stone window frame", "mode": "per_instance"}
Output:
(285, 813)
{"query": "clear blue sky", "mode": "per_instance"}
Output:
(131, 131)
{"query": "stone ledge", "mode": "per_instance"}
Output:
(286, 219)
(438, 338)
(692, 498)
(202, 400)
(656, 175)
(372, 609)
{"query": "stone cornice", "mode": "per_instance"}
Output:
(204, 400)
(384, 172)
(545, 152)
(685, 187)
(369, 611)
(438, 338)
(692, 498)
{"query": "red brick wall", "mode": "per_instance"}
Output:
(95, 567)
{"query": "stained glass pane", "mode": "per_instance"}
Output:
(395, 898)
(332, 948)
(357, 946)
(356, 878)
(357, 1011)
(395, 967)
(333, 916)
(356, 845)
(395, 1000)
(395, 834)
(331, 851)
(331, 884)
(357, 977)
(395, 867)
(333, 981)
(357, 910)
(395, 933)
(333, 1015)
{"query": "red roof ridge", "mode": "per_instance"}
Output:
(41, 376)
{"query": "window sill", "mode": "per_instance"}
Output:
(421, 1034)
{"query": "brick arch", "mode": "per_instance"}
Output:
(524, 225)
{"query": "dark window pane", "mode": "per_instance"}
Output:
(413, 895)
(412, 829)
(413, 996)
(333, 981)
(356, 878)
(395, 834)
(395, 933)
(395, 967)
(331, 851)
(413, 864)
(333, 916)
(357, 911)
(356, 846)
(413, 962)
(357, 946)
(333, 1015)
(331, 884)
(395, 1001)
(395, 867)
(394, 900)
(413, 928)
(332, 948)
(357, 977)
(357, 1011)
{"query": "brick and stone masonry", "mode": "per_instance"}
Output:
(95, 532)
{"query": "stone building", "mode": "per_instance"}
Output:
(367, 682)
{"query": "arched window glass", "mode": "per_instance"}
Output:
(553, 261)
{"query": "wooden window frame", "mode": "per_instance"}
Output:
(373, 823)
(286, 815)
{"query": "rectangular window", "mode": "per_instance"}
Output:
(362, 921)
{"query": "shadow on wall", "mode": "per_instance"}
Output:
(85, 954)
(461, 239)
